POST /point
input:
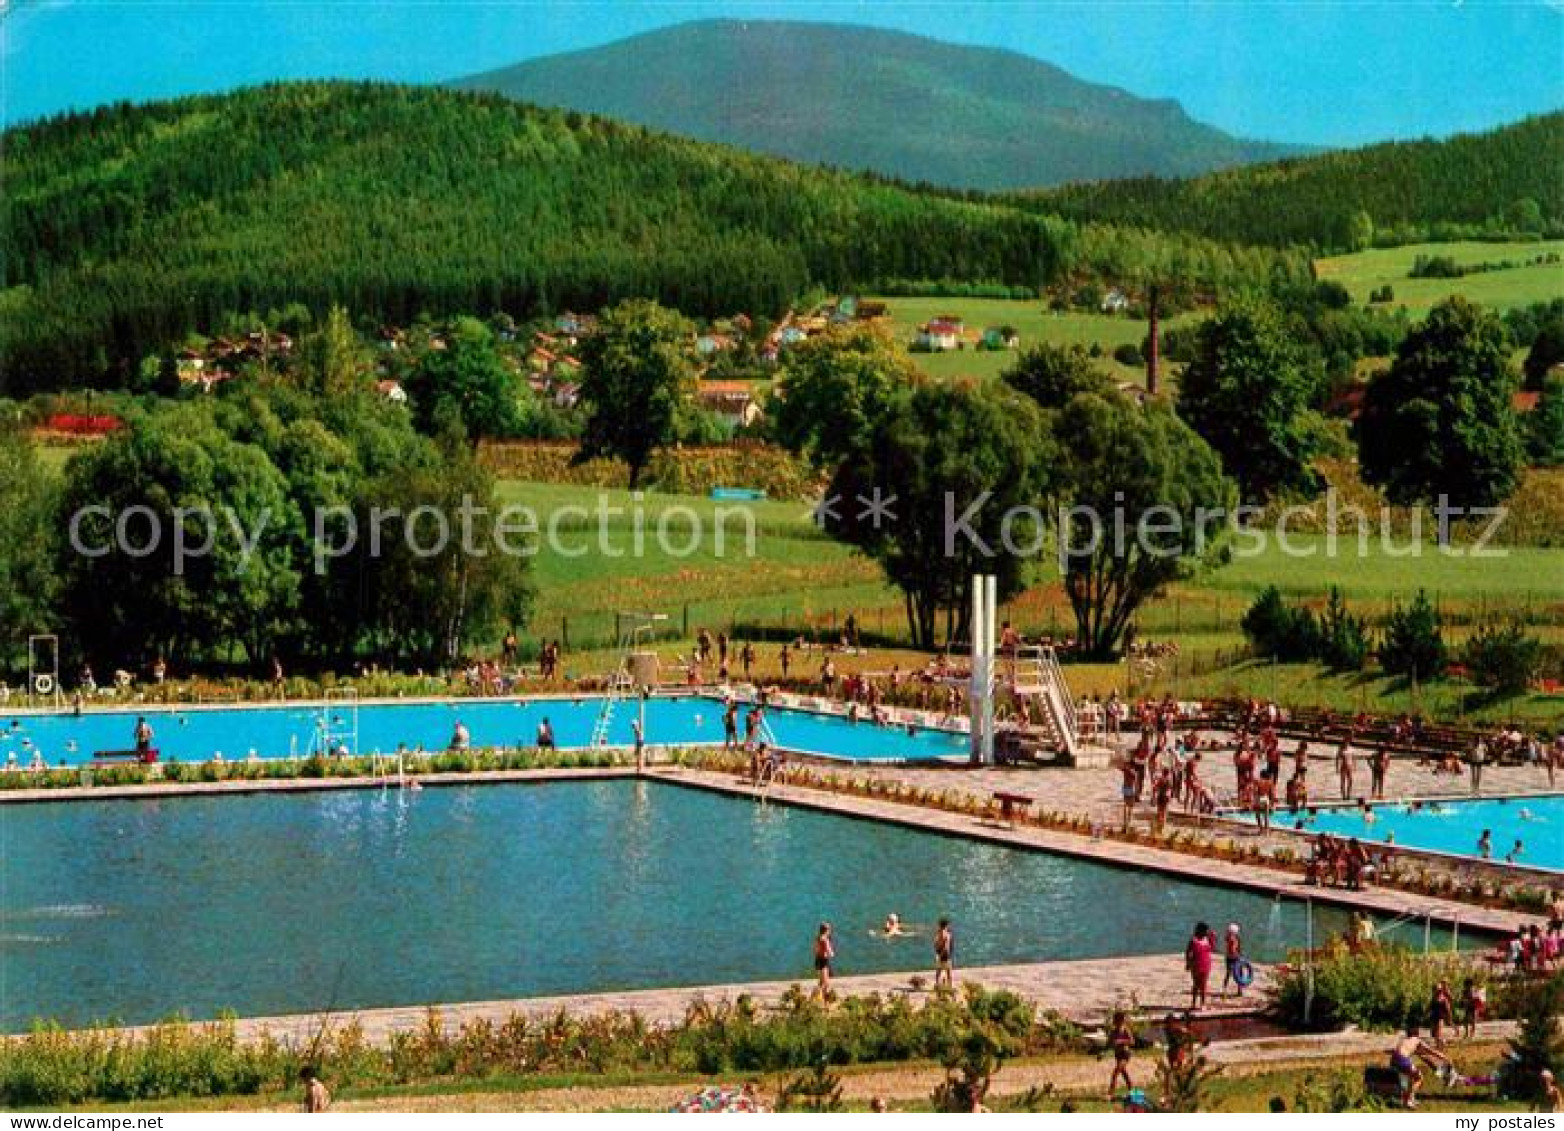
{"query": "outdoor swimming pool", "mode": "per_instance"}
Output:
(1454, 826)
(279, 731)
(304, 902)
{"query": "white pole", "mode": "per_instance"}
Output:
(990, 611)
(975, 688)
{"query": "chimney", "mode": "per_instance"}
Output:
(1153, 346)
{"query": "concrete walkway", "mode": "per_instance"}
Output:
(1085, 991)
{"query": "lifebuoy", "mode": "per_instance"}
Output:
(1243, 972)
(43, 684)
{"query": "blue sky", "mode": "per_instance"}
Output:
(1316, 71)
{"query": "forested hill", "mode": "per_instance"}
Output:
(868, 98)
(1506, 180)
(127, 227)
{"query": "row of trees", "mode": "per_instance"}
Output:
(316, 514)
(1500, 183)
(1500, 655)
(938, 481)
(1439, 421)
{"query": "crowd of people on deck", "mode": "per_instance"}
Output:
(1167, 761)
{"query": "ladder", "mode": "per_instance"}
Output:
(620, 683)
(1036, 675)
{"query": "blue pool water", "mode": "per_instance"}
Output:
(300, 902)
(1455, 826)
(273, 732)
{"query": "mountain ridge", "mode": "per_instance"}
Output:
(921, 109)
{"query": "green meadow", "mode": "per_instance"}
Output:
(1030, 318)
(1521, 285)
(791, 580)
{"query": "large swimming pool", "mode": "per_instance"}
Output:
(301, 902)
(281, 731)
(1456, 826)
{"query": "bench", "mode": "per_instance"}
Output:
(102, 758)
(1011, 805)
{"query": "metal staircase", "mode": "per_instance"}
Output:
(1036, 678)
(630, 627)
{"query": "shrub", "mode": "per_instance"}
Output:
(1435, 267)
(1538, 1045)
(818, 1089)
(1414, 643)
(1344, 644)
(1276, 629)
(1380, 987)
(1128, 354)
(1503, 658)
(1184, 1084)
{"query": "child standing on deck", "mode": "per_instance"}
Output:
(1121, 1040)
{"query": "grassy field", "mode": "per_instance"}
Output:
(1031, 319)
(790, 580)
(1363, 271)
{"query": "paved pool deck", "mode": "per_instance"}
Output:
(1252, 877)
(1086, 991)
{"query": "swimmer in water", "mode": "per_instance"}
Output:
(892, 928)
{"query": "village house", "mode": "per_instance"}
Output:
(712, 343)
(733, 402)
(940, 334)
(1001, 338)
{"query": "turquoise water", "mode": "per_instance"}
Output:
(279, 903)
(1455, 826)
(275, 732)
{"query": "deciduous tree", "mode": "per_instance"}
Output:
(1439, 422)
(638, 377)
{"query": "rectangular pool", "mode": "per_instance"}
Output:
(195, 735)
(1536, 823)
(132, 910)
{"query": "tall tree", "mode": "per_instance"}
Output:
(1547, 349)
(1246, 391)
(1142, 501)
(27, 538)
(335, 362)
(1051, 374)
(638, 377)
(951, 482)
(1545, 426)
(127, 590)
(833, 389)
(467, 384)
(1440, 422)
